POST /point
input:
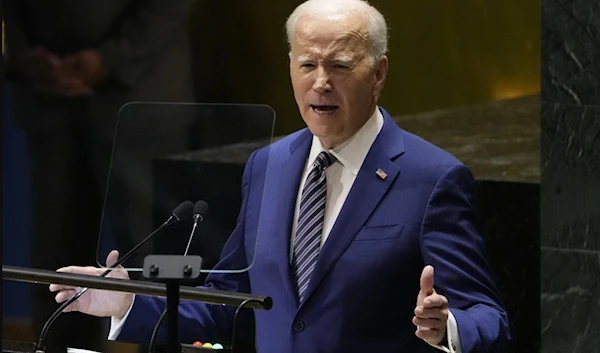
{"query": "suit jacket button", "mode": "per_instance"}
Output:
(298, 326)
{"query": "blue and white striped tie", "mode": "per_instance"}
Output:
(310, 222)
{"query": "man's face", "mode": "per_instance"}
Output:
(336, 83)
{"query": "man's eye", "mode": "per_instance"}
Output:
(307, 65)
(340, 66)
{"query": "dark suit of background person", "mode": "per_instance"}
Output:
(144, 51)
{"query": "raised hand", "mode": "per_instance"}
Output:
(431, 312)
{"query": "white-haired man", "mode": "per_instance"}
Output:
(356, 216)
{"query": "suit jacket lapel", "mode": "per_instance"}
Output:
(366, 193)
(291, 167)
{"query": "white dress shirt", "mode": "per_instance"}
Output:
(341, 174)
(340, 177)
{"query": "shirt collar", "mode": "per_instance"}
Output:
(352, 153)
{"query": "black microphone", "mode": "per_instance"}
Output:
(183, 210)
(200, 210)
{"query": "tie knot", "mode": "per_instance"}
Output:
(324, 160)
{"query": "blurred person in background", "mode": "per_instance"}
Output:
(72, 65)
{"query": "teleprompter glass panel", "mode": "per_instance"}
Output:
(165, 154)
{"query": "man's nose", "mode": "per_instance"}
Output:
(322, 83)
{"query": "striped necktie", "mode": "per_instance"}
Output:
(310, 222)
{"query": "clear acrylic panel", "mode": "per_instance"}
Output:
(168, 153)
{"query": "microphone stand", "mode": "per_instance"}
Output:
(172, 269)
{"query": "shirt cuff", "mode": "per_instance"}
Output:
(116, 324)
(453, 343)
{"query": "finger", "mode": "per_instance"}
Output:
(112, 258)
(430, 324)
(65, 295)
(435, 301)
(58, 287)
(119, 271)
(87, 270)
(436, 313)
(431, 336)
(426, 281)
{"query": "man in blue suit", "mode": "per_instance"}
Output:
(354, 214)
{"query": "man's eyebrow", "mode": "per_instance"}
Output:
(303, 58)
(343, 59)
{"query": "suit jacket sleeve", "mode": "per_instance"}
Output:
(451, 241)
(141, 35)
(198, 321)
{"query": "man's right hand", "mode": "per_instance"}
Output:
(96, 302)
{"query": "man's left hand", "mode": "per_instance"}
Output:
(431, 313)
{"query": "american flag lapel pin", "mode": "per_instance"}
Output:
(381, 173)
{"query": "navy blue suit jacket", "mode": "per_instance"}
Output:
(364, 286)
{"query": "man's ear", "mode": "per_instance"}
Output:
(381, 70)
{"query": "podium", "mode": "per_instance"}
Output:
(239, 300)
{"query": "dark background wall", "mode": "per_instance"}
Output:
(570, 194)
(442, 54)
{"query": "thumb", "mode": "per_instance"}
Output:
(112, 258)
(427, 280)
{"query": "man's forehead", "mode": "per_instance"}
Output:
(334, 51)
(330, 39)
(330, 27)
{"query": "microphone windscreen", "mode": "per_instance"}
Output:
(201, 208)
(184, 210)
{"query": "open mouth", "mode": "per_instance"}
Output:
(324, 109)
